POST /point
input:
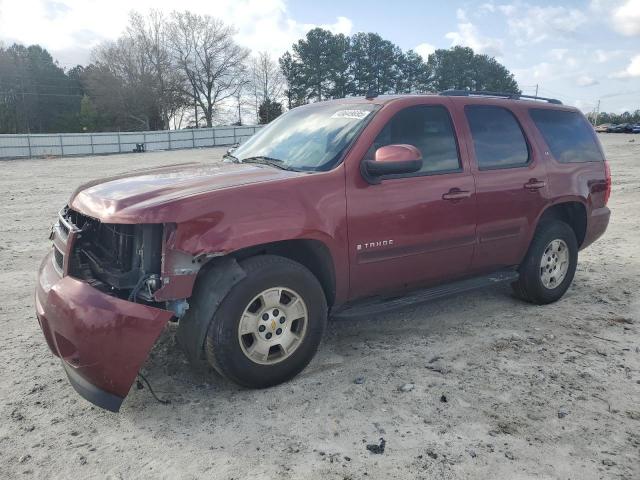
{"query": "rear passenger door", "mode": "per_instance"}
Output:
(511, 183)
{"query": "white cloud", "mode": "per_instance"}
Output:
(488, 7)
(342, 25)
(71, 28)
(424, 50)
(558, 53)
(632, 70)
(468, 35)
(508, 10)
(586, 81)
(626, 18)
(536, 24)
(536, 73)
(603, 56)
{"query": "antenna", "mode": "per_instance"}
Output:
(371, 94)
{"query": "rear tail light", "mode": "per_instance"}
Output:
(607, 173)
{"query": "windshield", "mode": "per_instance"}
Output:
(309, 138)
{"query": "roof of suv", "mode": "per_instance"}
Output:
(463, 97)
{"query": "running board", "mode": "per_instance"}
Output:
(377, 305)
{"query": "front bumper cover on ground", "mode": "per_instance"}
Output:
(102, 340)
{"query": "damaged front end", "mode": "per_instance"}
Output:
(105, 293)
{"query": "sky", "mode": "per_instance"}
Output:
(580, 51)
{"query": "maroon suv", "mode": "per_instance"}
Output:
(346, 207)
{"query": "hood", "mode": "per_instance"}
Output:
(123, 198)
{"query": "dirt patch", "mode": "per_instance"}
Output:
(528, 391)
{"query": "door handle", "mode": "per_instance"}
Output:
(535, 184)
(456, 194)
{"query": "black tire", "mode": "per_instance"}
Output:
(222, 345)
(529, 286)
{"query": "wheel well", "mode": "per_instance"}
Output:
(313, 254)
(572, 213)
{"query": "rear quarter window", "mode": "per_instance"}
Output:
(568, 134)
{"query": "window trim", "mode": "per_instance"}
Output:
(460, 168)
(548, 147)
(524, 136)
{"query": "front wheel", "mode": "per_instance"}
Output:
(550, 264)
(269, 326)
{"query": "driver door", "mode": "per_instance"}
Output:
(417, 229)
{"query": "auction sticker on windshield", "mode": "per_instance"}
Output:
(357, 114)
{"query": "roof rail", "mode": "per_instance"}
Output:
(482, 93)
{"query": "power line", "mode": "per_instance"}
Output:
(17, 93)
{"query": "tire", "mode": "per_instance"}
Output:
(542, 284)
(236, 356)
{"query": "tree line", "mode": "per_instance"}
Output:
(615, 118)
(187, 70)
(324, 65)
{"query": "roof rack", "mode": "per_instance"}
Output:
(482, 93)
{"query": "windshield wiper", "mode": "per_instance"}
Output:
(231, 157)
(263, 160)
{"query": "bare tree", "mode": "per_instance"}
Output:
(150, 35)
(120, 84)
(204, 50)
(267, 81)
(133, 80)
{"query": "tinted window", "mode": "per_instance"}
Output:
(568, 134)
(497, 137)
(427, 128)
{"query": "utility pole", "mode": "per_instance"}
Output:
(24, 106)
(536, 90)
(597, 113)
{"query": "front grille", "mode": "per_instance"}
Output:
(64, 228)
(115, 244)
(64, 233)
(58, 259)
(110, 257)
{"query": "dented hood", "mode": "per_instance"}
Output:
(125, 198)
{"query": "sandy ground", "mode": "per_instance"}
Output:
(502, 389)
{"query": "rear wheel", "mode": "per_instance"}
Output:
(269, 326)
(550, 264)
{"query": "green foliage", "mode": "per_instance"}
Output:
(269, 110)
(295, 92)
(316, 54)
(136, 84)
(461, 69)
(88, 116)
(373, 63)
(323, 65)
(616, 118)
(36, 95)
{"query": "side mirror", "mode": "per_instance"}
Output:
(392, 160)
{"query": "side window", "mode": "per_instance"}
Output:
(568, 135)
(428, 128)
(497, 137)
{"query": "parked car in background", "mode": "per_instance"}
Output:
(616, 128)
(636, 128)
(348, 207)
(604, 128)
(623, 128)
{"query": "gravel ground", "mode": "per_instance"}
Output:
(481, 387)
